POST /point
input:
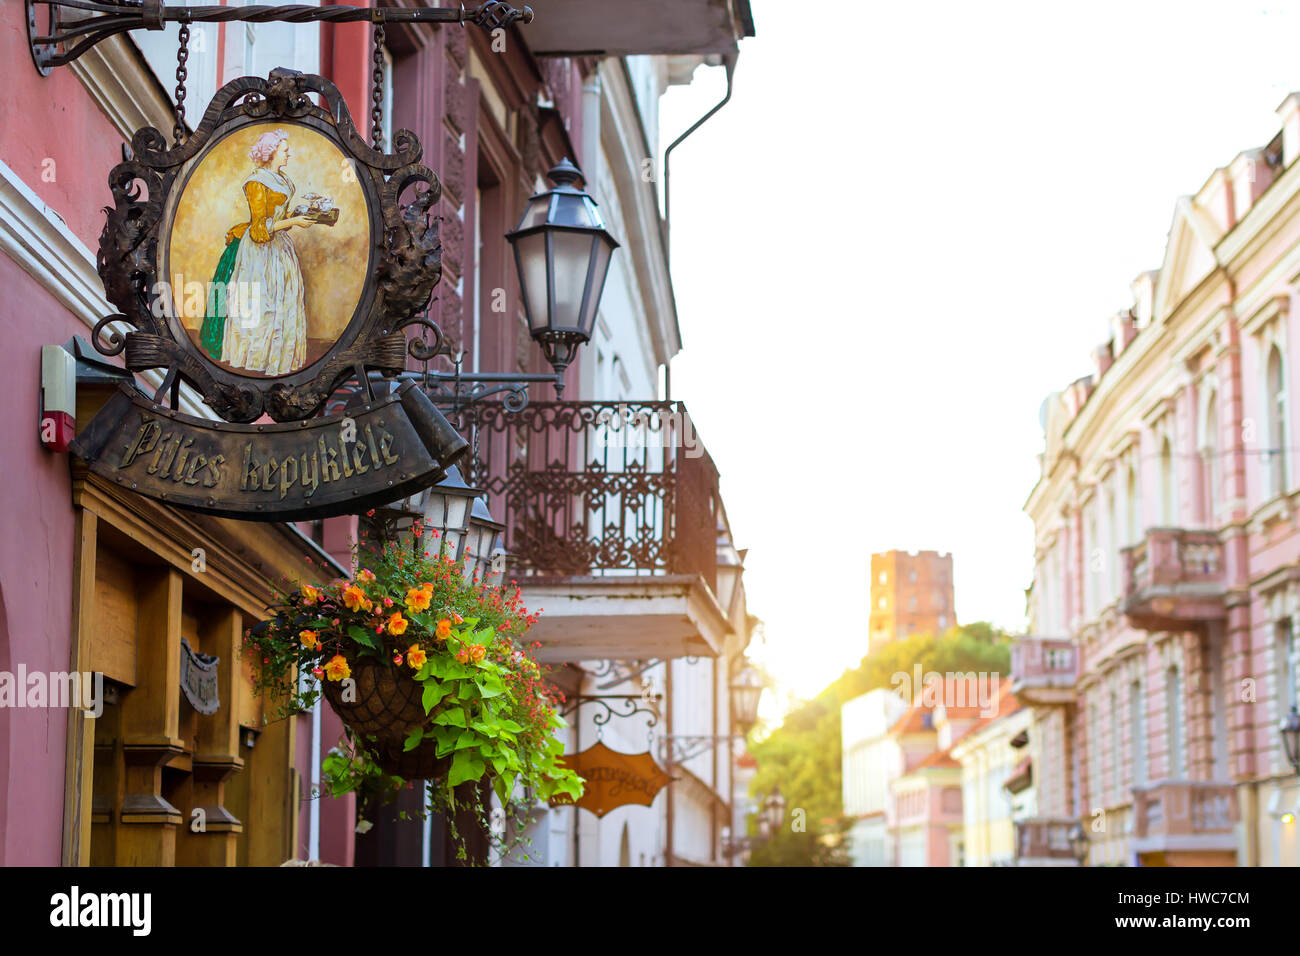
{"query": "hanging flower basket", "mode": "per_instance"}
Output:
(385, 710)
(426, 668)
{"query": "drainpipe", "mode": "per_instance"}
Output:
(729, 62)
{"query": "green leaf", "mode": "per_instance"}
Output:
(363, 637)
(465, 766)
(490, 685)
(413, 739)
(446, 740)
(467, 738)
(451, 718)
(433, 693)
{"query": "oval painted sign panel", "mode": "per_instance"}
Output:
(268, 251)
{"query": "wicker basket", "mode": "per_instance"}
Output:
(387, 708)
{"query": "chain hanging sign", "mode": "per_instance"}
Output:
(265, 260)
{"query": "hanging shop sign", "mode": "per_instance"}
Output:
(199, 679)
(613, 779)
(265, 260)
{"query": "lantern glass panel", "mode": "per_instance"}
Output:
(575, 211)
(572, 256)
(530, 256)
(535, 212)
(604, 251)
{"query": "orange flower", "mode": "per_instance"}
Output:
(365, 577)
(444, 630)
(310, 595)
(310, 640)
(462, 655)
(353, 597)
(417, 599)
(416, 657)
(337, 668)
(397, 623)
(477, 652)
(368, 605)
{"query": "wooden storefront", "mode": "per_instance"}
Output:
(147, 575)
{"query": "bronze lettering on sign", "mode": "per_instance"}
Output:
(333, 465)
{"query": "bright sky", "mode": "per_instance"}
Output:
(904, 231)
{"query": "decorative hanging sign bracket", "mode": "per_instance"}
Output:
(71, 27)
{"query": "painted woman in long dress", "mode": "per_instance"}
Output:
(256, 318)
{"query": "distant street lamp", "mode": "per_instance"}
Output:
(1079, 842)
(774, 809)
(1290, 730)
(562, 254)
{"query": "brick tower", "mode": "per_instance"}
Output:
(911, 592)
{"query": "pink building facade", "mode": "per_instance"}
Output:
(1166, 591)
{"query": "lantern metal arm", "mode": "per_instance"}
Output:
(67, 38)
(679, 748)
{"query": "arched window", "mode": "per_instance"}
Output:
(1168, 513)
(1277, 416)
(1210, 474)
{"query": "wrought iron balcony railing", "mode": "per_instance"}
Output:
(1044, 670)
(1174, 577)
(595, 488)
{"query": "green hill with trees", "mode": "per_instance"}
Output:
(802, 756)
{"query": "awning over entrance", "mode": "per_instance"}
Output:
(568, 27)
(634, 617)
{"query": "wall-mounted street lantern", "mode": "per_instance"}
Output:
(1079, 842)
(562, 253)
(447, 507)
(746, 690)
(1290, 731)
(483, 553)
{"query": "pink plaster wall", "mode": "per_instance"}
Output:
(35, 577)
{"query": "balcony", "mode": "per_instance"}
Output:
(1174, 578)
(1044, 670)
(611, 518)
(1044, 842)
(1186, 822)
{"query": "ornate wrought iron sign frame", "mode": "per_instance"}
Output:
(404, 265)
(405, 256)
